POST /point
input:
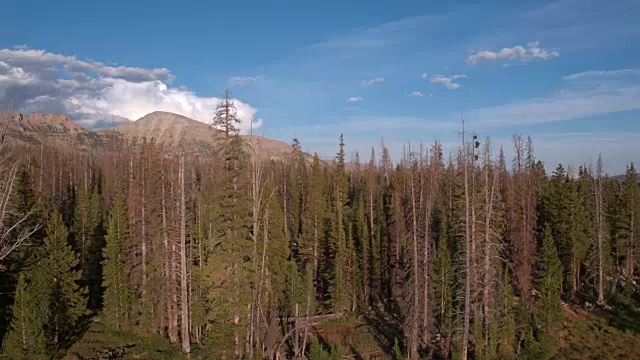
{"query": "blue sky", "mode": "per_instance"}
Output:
(565, 72)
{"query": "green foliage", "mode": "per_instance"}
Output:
(338, 243)
(228, 269)
(318, 352)
(26, 338)
(87, 218)
(56, 285)
(118, 289)
(504, 333)
(397, 351)
(549, 307)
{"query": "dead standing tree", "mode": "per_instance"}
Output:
(12, 235)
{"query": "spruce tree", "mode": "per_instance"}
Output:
(87, 217)
(56, 281)
(26, 339)
(313, 221)
(229, 267)
(505, 330)
(549, 307)
(339, 247)
(118, 290)
(630, 234)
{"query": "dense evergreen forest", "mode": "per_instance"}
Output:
(466, 255)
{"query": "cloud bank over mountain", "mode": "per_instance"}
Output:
(98, 95)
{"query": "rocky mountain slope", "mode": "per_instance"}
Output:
(171, 130)
(37, 128)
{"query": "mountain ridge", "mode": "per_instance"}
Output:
(169, 129)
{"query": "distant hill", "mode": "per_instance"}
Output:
(169, 129)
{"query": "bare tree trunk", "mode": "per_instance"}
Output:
(296, 335)
(371, 229)
(630, 257)
(143, 241)
(467, 280)
(171, 324)
(413, 332)
(433, 178)
(41, 168)
(599, 231)
(184, 293)
(489, 195)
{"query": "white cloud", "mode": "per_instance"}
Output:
(242, 81)
(417, 94)
(531, 52)
(602, 73)
(355, 99)
(448, 81)
(373, 81)
(95, 94)
(424, 76)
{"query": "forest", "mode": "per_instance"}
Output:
(465, 255)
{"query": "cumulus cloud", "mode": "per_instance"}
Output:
(373, 81)
(243, 81)
(533, 51)
(448, 81)
(97, 95)
(354, 99)
(602, 73)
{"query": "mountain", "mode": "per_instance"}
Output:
(37, 128)
(171, 130)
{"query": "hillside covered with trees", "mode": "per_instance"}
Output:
(466, 255)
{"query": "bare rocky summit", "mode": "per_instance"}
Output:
(171, 130)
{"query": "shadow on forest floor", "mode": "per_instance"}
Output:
(624, 313)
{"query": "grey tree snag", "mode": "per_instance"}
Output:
(599, 230)
(184, 290)
(467, 275)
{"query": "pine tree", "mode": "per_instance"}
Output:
(26, 338)
(226, 116)
(56, 282)
(313, 221)
(229, 266)
(630, 236)
(118, 290)
(549, 309)
(338, 240)
(87, 218)
(505, 329)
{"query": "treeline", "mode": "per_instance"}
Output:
(468, 256)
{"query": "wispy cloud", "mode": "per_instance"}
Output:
(417, 94)
(95, 94)
(246, 80)
(449, 81)
(355, 99)
(424, 76)
(602, 73)
(533, 51)
(564, 105)
(378, 80)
